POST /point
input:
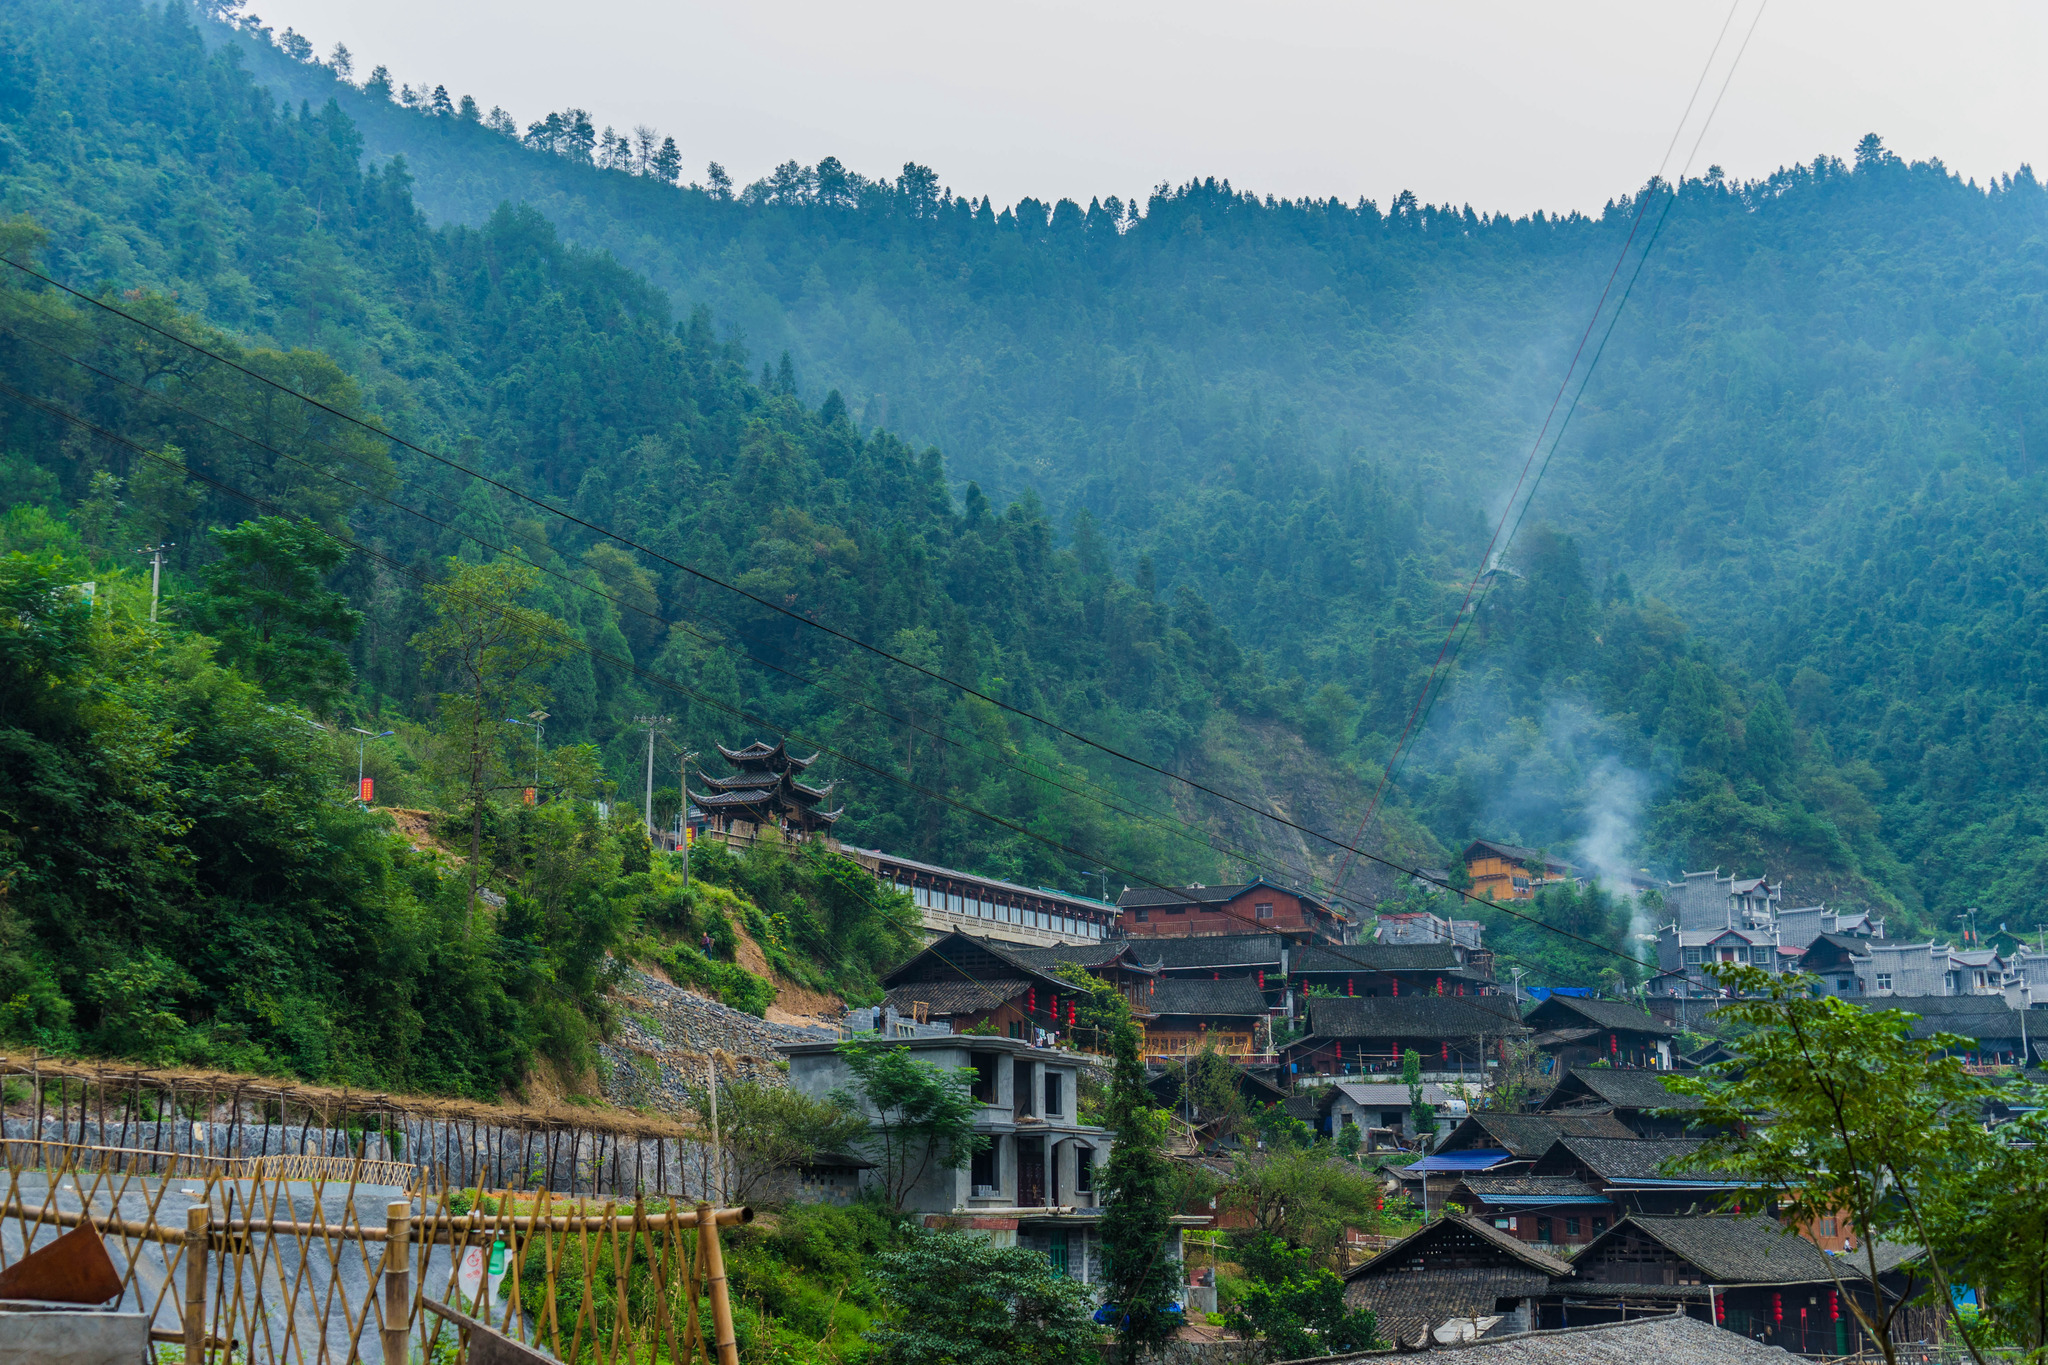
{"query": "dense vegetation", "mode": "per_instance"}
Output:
(1809, 436)
(1244, 454)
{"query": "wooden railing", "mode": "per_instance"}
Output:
(403, 1175)
(268, 1266)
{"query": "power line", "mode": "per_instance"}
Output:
(1487, 559)
(1108, 800)
(669, 684)
(778, 608)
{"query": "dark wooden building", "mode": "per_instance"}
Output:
(1258, 906)
(1640, 1175)
(1551, 1212)
(1746, 1273)
(1183, 1016)
(1391, 969)
(1498, 1144)
(1634, 1096)
(1367, 1035)
(763, 793)
(1579, 1031)
(967, 981)
(1456, 1272)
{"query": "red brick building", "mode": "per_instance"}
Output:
(1256, 907)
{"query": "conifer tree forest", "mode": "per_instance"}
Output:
(1199, 475)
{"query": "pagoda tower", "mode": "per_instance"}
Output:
(763, 791)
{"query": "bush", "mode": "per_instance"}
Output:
(956, 1299)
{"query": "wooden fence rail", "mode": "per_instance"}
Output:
(261, 1265)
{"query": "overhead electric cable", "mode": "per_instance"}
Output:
(1112, 801)
(669, 684)
(776, 607)
(1487, 561)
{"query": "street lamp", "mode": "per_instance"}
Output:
(362, 745)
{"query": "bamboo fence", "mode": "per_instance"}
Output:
(222, 1120)
(282, 1262)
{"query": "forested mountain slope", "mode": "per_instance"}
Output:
(1286, 425)
(1809, 432)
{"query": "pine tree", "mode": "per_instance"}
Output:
(668, 162)
(1141, 1276)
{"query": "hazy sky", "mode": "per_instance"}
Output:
(1501, 105)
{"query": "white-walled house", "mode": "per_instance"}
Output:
(1033, 1183)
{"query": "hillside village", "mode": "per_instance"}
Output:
(602, 762)
(1545, 1175)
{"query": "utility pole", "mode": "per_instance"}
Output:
(361, 745)
(156, 573)
(540, 730)
(653, 724)
(683, 812)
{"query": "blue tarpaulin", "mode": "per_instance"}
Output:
(1474, 1159)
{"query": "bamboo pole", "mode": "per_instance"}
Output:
(714, 1273)
(397, 1281)
(195, 1283)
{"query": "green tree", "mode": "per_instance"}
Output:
(920, 1116)
(265, 601)
(488, 643)
(1297, 1306)
(767, 1131)
(1304, 1197)
(1866, 1122)
(956, 1299)
(1421, 1115)
(1141, 1276)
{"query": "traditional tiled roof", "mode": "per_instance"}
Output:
(1377, 957)
(1976, 1016)
(1134, 896)
(1410, 1016)
(1093, 953)
(1515, 853)
(1409, 1307)
(1621, 1087)
(945, 998)
(1239, 996)
(1666, 1338)
(775, 757)
(988, 959)
(1210, 951)
(1607, 1014)
(1728, 1248)
(1452, 1238)
(1529, 1136)
(1628, 1159)
(1506, 1189)
(1374, 1095)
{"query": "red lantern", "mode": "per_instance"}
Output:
(1031, 1000)
(1439, 985)
(1215, 976)
(1612, 1045)
(1397, 985)
(369, 787)
(1070, 1013)
(1834, 1306)
(1777, 1309)
(1447, 1052)
(1262, 978)
(1720, 1311)
(1348, 989)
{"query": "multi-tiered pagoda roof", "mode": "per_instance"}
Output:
(765, 791)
